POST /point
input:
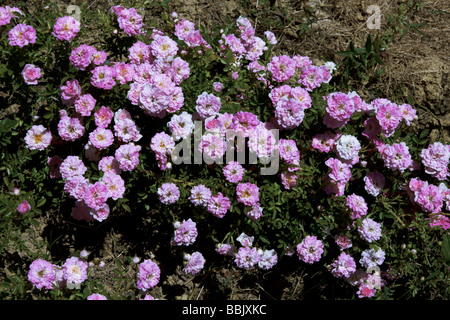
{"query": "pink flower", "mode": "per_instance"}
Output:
(430, 198)
(129, 21)
(168, 193)
(301, 61)
(365, 291)
(370, 230)
(139, 53)
(289, 180)
(200, 195)
(115, 185)
(128, 156)
(96, 296)
(126, 131)
(310, 250)
(101, 138)
(397, 157)
(371, 128)
(194, 263)
(109, 164)
(343, 266)
(217, 86)
(85, 104)
(148, 275)
(247, 193)
(288, 151)
(31, 74)
(123, 72)
(54, 163)
(244, 123)
(289, 113)
(22, 35)
(5, 16)
(374, 182)
(262, 141)
(163, 47)
(440, 221)
(179, 70)
(38, 138)
(75, 270)
(103, 77)
(358, 206)
(407, 112)
(162, 144)
(270, 37)
(24, 207)
(343, 242)
(66, 28)
(324, 142)
(183, 28)
(96, 195)
(42, 274)
(70, 129)
(76, 186)
(233, 172)
(225, 249)
(247, 258)
(282, 68)
(185, 233)
(389, 117)
(255, 212)
(219, 205)
(212, 146)
(278, 93)
(103, 117)
(181, 125)
(207, 105)
(70, 92)
(101, 213)
(81, 57)
(312, 77)
(436, 158)
(339, 106)
(81, 211)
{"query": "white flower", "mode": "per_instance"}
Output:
(348, 147)
(245, 240)
(331, 66)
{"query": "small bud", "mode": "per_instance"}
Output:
(84, 254)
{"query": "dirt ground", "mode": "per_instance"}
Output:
(416, 66)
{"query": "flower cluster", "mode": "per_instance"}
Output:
(44, 274)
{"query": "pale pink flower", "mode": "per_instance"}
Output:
(31, 74)
(66, 28)
(22, 35)
(38, 138)
(310, 250)
(24, 207)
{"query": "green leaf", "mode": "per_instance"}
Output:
(264, 239)
(41, 202)
(446, 248)
(126, 207)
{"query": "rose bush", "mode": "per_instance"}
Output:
(251, 156)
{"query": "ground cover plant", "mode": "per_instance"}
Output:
(213, 158)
